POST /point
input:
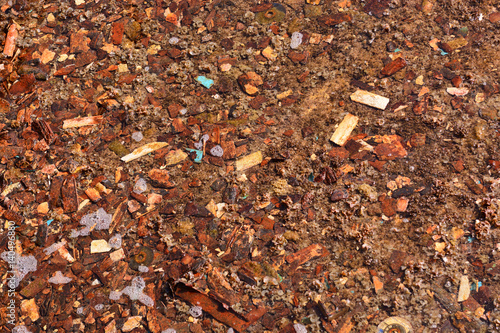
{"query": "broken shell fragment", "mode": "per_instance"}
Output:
(144, 257)
(274, 14)
(394, 325)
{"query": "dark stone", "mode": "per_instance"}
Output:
(397, 260)
(193, 209)
(231, 194)
(338, 195)
(483, 296)
(376, 7)
(391, 46)
(219, 184)
(403, 192)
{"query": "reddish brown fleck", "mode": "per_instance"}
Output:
(394, 66)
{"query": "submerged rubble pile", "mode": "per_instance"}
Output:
(248, 166)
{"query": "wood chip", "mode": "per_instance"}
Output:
(175, 156)
(117, 255)
(302, 256)
(464, 290)
(131, 323)
(99, 246)
(249, 161)
(144, 150)
(344, 130)
(30, 309)
(370, 99)
(80, 122)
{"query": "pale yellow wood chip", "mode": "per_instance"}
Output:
(99, 246)
(80, 122)
(464, 289)
(344, 130)
(249, 161)
(370, 99)
(144, 150)
(175, 156)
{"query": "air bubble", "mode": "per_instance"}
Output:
(196, 311)
(217, 151)
(296, 40)
(137, 136)
(116, 241)
(140, 186)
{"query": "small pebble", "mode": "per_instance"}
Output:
(196, 311)
(140, 186)
(173, 40)
(137, 136)
(217, 151)
(296, 40)
(99, 307)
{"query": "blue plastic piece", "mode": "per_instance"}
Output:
(397, 50)
(311, 177)
(199, 154)
(473, 286)
(49, 221)
(443, 53)
(207, 83)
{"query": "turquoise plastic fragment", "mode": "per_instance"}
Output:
(311, 177)
(199, 154)
(207, 83)
(473, 286)
(443, 53)
(397, 50)
(49, 222)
